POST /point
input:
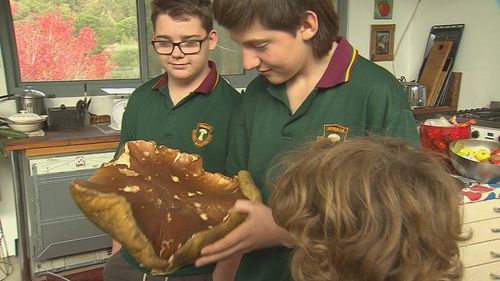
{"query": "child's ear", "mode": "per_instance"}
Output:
(212, 39)
(309, 26)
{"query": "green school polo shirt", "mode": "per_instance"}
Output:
(355, 97)
(197, 124)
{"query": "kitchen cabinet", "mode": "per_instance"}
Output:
(53, 233)
(481, 254)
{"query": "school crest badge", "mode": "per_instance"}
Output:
(333, 133)
(202, 135)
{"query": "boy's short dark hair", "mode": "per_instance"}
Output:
(282, 15)
(181, 9)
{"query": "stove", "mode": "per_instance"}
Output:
(487, 126)
(486, 117)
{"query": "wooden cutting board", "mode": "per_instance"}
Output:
(433, 68)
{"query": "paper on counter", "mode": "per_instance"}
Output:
(118, 91)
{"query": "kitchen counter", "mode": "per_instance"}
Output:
(65, 141)
(31, 189)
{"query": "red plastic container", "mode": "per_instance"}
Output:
(437, 139)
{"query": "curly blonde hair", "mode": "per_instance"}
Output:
(372, 208)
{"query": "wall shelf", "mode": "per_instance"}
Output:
(431, 110)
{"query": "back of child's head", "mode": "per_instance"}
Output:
(183, 10)
(281, 15)
(371, 208)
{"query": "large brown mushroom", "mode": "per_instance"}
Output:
(161, 205)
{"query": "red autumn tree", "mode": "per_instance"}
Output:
(13, 7)
(49, 50)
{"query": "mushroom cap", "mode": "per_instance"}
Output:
(161, 205)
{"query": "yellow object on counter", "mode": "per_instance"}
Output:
(482, 155)
(466, 152)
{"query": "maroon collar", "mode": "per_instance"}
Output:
(340, 67)
(205, 87)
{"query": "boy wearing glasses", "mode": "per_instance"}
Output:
(187, 108)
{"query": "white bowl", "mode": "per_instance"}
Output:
(23, 117)
(26, 127)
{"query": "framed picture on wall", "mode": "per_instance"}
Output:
(383, 9)
(382, 42)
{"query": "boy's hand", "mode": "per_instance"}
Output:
(258, 231)
(116, 246)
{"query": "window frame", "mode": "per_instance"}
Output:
(76, 88)
(67, 88)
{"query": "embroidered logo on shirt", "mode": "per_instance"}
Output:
(333, 133)
(202, 135)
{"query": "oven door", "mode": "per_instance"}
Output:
(57, 227)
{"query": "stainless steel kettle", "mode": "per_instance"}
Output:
(415, 92)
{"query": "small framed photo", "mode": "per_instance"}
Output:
(383, 9)
(382, 42)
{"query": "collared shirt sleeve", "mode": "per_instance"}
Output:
(128, 123)
(389, 112)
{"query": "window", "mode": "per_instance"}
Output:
(61, 46)
(58, 46)
(92, 40)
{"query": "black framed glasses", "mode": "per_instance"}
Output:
(188, 47)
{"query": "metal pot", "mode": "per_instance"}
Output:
(31, 101)
(415, 92)
(484, 172)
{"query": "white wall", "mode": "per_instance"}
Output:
(478, 57)
(7, 202)
(7, 205)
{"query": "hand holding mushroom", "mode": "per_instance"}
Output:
(258, 231)
(161, 205)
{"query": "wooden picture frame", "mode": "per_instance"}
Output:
(382, 42)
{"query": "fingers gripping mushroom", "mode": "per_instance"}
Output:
(161, 205)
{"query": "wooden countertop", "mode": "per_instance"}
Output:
(87, 138)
